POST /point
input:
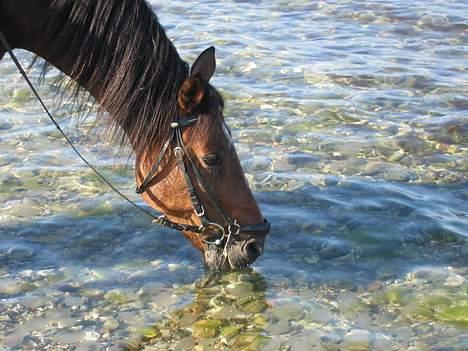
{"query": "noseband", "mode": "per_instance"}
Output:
(185, 161)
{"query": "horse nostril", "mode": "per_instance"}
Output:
(252, 249)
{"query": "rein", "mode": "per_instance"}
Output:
(230, 227)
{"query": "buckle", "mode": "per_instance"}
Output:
(178, 152)
(234, 228)
(160, 220)
(199, 214)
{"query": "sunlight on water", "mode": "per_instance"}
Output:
(350, 119)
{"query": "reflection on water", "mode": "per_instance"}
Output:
(350, 121)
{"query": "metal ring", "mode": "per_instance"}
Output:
(217, 228)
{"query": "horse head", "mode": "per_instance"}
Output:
(216, 196)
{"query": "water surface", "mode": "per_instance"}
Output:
(350, 119)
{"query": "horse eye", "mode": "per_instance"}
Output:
(212, 160)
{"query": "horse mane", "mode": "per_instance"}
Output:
(119, 51)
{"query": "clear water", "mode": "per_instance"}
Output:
(350, 119)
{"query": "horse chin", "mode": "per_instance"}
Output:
(215, 259)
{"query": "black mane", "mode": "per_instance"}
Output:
(118, 50)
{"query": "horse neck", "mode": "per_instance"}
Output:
(23, 24)
(28, 25)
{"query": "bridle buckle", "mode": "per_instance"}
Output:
(201, 213)
(178, 152)
(234, 228)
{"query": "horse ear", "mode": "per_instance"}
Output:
(205, 64)
(191, 93)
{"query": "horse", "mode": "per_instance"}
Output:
(186, 165)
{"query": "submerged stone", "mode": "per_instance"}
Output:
(357, 340)
(280, 327)
(27, 209)
(92, 292)
(186, 344)
(150, 333)
(249, 342)
(255, 306)
(291, 312)
(230, 331)
(456, 314)
(206, 328)
(10, 286)
(17, 253)
(395, 295)
(239, 290)
(227, 313)
(111, 324)
(116, 296)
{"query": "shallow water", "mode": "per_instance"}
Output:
(350, 119)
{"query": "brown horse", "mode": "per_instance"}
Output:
(186, 163)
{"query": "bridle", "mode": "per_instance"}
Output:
(231, 229)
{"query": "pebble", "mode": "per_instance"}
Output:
(26, 208)
(152, 288)
(290, 311)
(72, 301)
(382, 343)
(333, 250)
(89, 346)
(206, 328)
(282, 165)
(319, 314)
(430, 275)
(61, 318)
(17, 254)
(302, 345)
(10, 286)
(454, 281)
(255, 306)
(239, 290)
(302, 159)
(67, 337)
(331, 338)
(258, 163)
(230, 331)
(397, 156)
(185, 344)
(111, 324)
(119, 296)
(228, 313)
(280, 327)
(357, 339)
(403, 333)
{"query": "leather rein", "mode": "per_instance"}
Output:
(230, 226)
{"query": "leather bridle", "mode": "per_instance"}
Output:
(184, 160)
